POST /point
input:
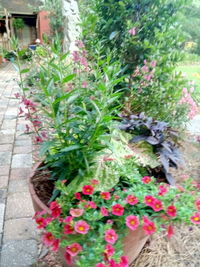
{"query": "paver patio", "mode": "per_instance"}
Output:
(18, 236)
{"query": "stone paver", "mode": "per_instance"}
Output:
(18, 235)
(19, 253)
(19, 205)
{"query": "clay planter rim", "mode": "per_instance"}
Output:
(34, 196)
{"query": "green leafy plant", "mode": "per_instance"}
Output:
(18, 23)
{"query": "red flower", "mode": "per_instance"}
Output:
(81, 227)
(157, 205)
(132, 200)
(38, 139)
(104, 211)
(55, 209)
(77, 196)
(87, 190)
(42, 223)
(111, 236)
(117, 210)
(68, 229)
(171, 211)
(132, 222)
(74, 249)
(196, 218)
(149, 228)
(132, 31)
(109, 250)
(123, 262)
(76, 212)
(68, 258)
(100, 265)
(48, 239)
(197, 203)
(162, 190)
(170, 231)
(105, 195)
(149, 200)
(146, 179)
(68, 219)
(55, 245)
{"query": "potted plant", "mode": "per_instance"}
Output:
(97, 188)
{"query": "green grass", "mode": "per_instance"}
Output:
(192, 72)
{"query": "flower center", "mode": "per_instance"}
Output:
(81, 228)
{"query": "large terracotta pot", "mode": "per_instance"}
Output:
(132, 244)
(1, 59)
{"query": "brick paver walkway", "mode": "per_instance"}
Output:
(18, 237)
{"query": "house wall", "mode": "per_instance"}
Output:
(43, 24)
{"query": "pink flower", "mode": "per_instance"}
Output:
(91, 204)
(81, 227)
(132, 222)
(41, 222)
(149, 228)
(132, 200)
(109, 222)
(100, 265)
(109, 250)
(145, 69)
(68, 219)
(117, 210)
(162, 190)
(77, 196)
(75, 56)
(55, 209)
(17, 95)
(123, 262)
(84, 84)
(48, 239)
(132, 31)
(21, 111)
(38, 139)
(111, 236)
(68, 229)
(74, 249)
(171, 211)
(76, 212)
(153, 63)
(196, 218)
(105, 195)
(157, 205)
(79, 43)
(94, 182)
(55, 245)
(87, 190)
(170, 231)
(149, 200)
(198, 138)
(104, 211)
(197, 203)
(146, 179)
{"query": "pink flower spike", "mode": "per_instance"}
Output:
(153, 63)
(146, 179)
(171, 211)
(104, 211)
(132, 31)
(117, 210)
(111, 236)
(195, 218)
(132, 200)
(105, 195)
(100, 265)
(132, 222)
(87, 190)
(76, 212)
(74, 249)
(81, 227)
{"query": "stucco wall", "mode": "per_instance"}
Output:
(71, 20)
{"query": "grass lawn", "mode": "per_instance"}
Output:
(192, 73)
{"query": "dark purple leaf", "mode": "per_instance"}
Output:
(138, 138)
(152, 140)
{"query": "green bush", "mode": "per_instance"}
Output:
(137, 32)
